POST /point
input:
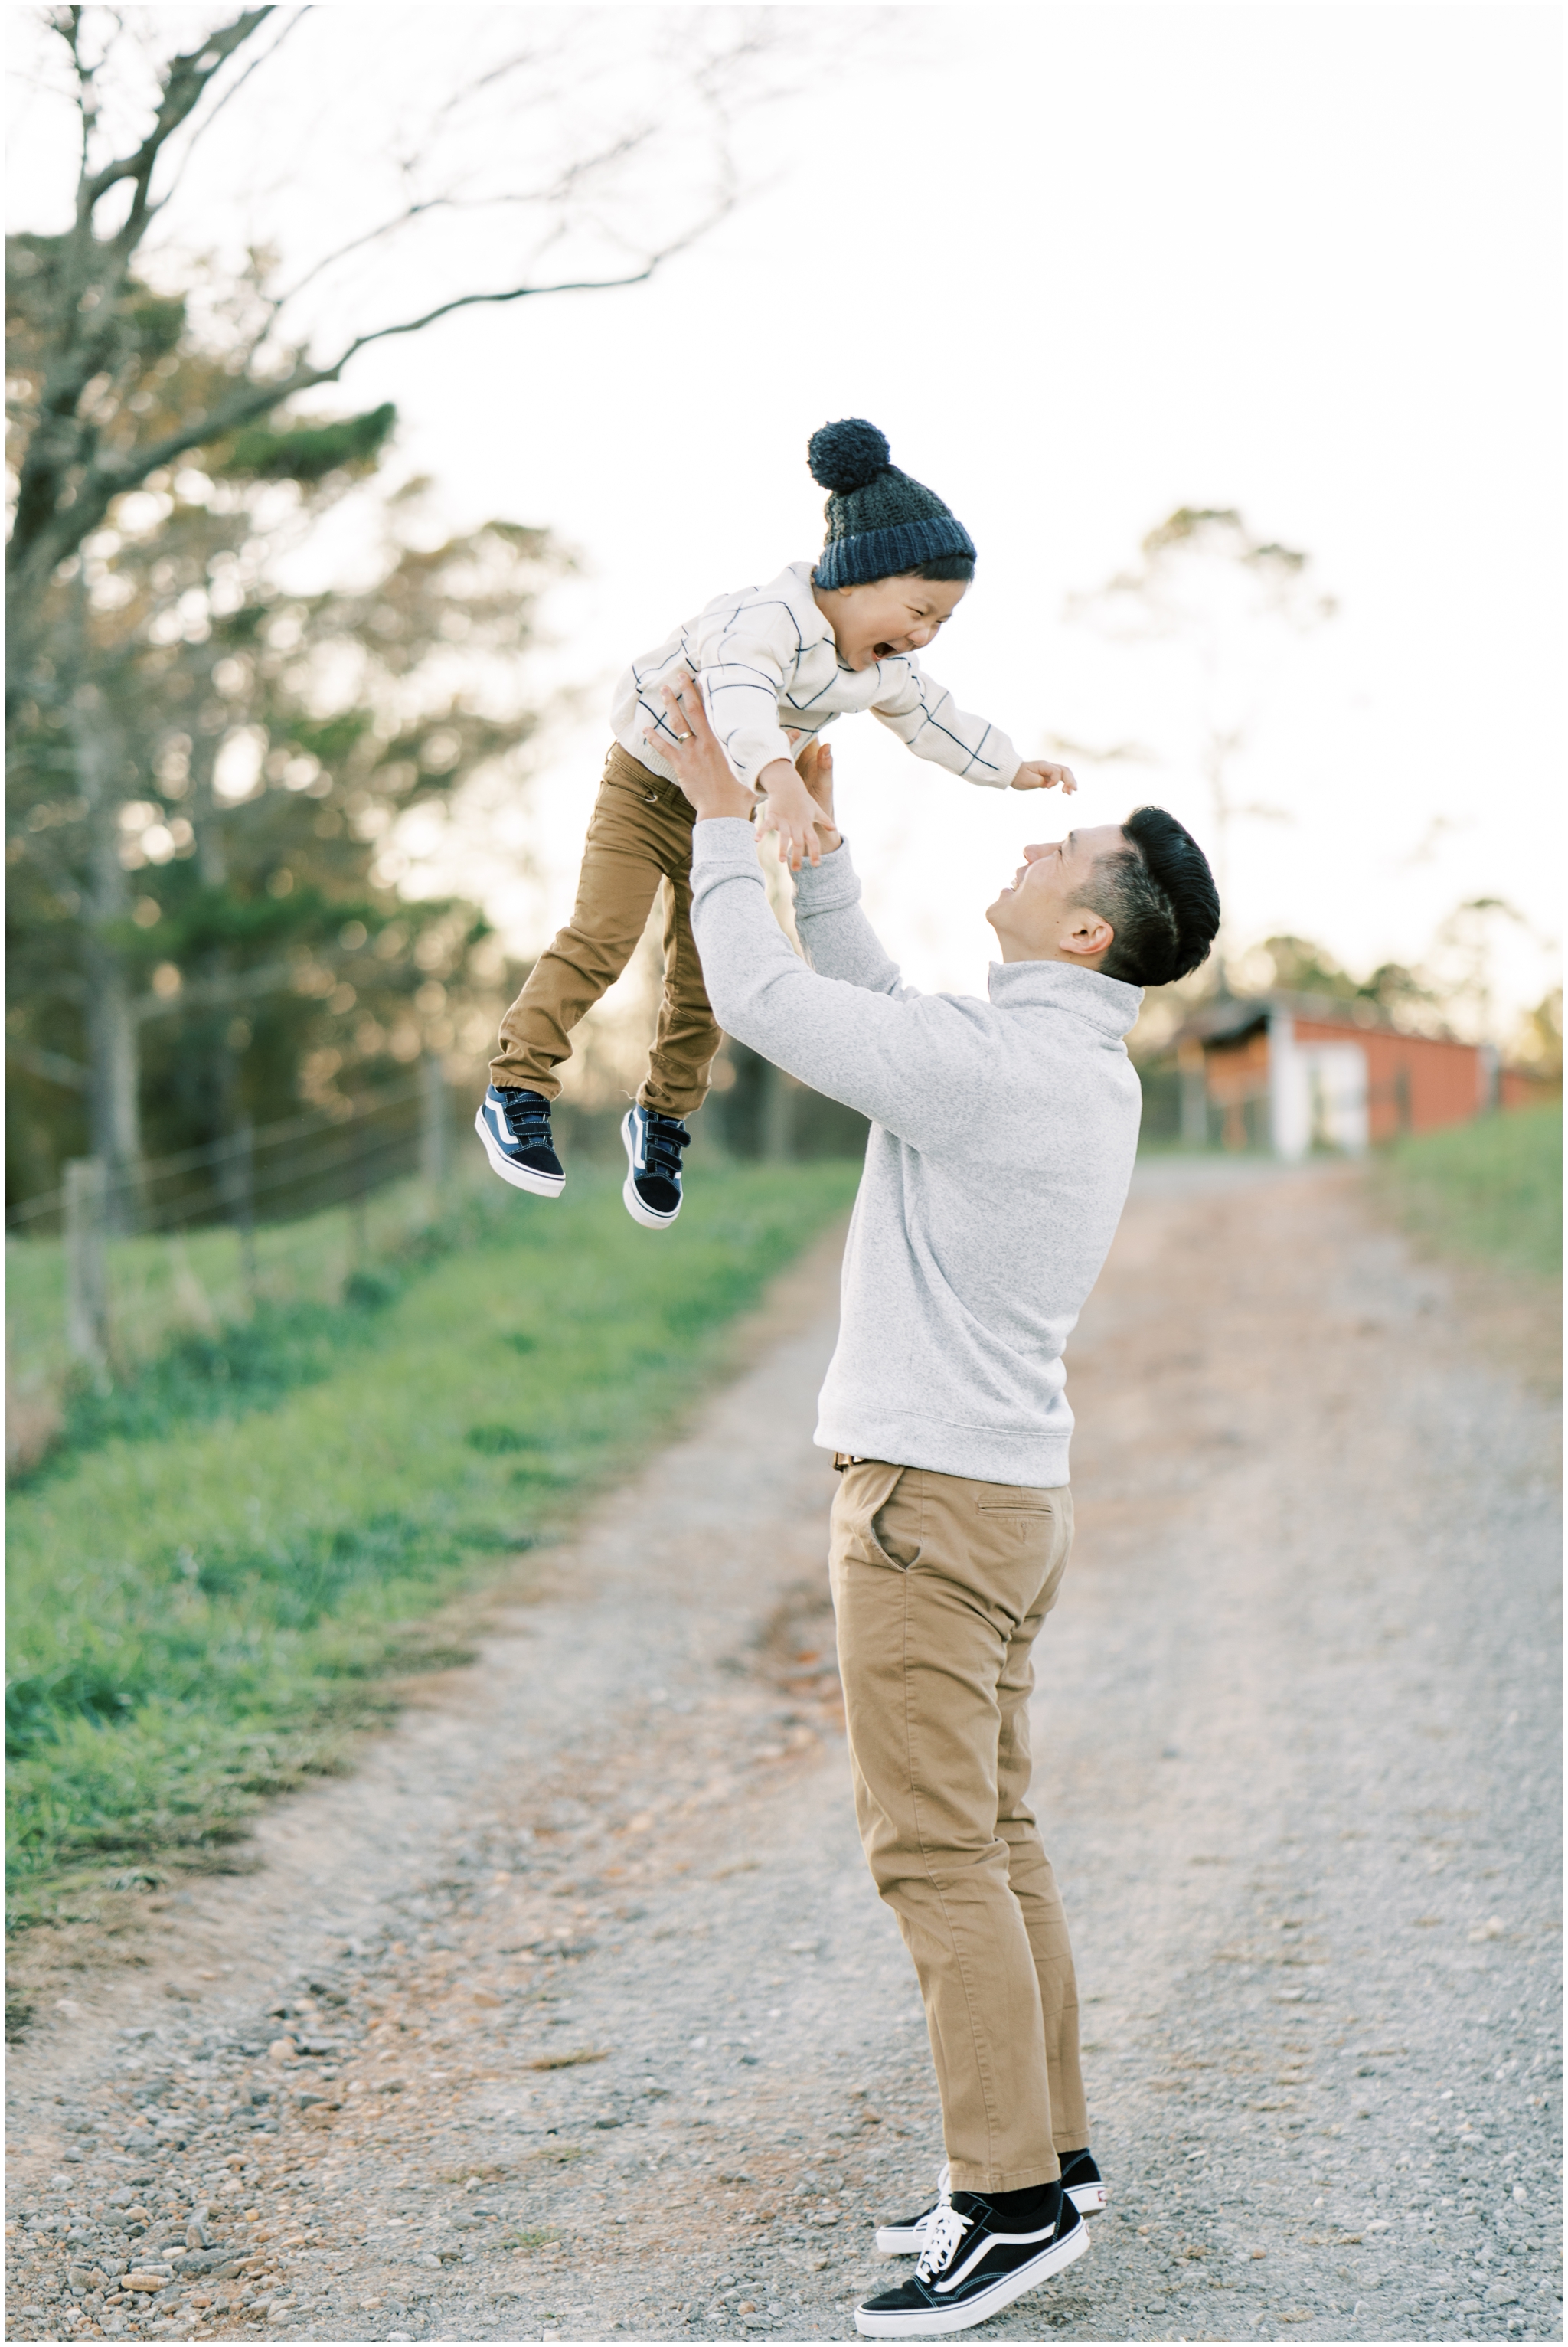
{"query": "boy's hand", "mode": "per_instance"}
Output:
(1039, 774)
(793, 813)
(815, 767)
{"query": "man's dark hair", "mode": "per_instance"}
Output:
(1159, 896)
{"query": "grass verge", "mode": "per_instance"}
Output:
(227, 1368)
(198, 1609)
(1491, 1192)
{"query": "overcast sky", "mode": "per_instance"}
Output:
(1083, 265)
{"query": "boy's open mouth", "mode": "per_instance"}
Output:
(883, 652)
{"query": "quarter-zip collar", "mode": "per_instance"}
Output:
(1108, 1003)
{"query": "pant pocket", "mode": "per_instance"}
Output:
(895, 1526)
(866, 1493)
(1026, 1504)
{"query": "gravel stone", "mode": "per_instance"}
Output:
(1296, 1752)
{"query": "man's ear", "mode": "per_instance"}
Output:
(1087, 934)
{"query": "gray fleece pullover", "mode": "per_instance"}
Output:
(1001, 1145)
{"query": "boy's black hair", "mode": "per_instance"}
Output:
(1159, 896)
(945, 569)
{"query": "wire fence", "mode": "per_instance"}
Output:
(275, 1171)
(118, 1260)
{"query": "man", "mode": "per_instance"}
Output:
(1001, 1147)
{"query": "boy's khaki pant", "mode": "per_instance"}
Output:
(940, 1585)
(640, 834)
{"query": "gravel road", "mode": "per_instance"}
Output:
(573, 2014)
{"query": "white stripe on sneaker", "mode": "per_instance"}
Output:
(984, 2245)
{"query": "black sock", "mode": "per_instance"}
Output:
(1028, 2211)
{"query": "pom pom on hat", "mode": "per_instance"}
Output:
(847, 456)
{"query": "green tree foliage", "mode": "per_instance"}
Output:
(1538, 1040)
(163, 464)
(208, 769)
(1297, 966)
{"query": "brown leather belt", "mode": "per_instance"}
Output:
(843, 1459)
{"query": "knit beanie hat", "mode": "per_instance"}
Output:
(880, 523)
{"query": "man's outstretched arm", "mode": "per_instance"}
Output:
(835, 937)
(835, 934)
(909, 1062)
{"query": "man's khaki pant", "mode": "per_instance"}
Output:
(640, 834)
(940, 1585)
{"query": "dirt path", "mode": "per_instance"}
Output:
(573, 2013)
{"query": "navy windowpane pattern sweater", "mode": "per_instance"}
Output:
(767, 659)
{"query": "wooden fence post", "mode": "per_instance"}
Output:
(1195, 1094)
(777, 1134)
(87, 1268)
(245, 1202)
(433, 1131)
(237, 1177)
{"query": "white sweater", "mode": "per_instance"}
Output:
(767, 659)
(1002, 1138)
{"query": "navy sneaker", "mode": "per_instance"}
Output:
(973, 2263)
(651, 1190)
(1080, 2180)
(514, 1127)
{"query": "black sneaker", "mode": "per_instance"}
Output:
(905, 2237)
(651, 1190)
(514, 1127)
(1083, 2183)
(1080, 2180)
(973, 2263)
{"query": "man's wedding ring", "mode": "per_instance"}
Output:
(683, 737)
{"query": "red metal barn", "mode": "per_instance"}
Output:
(1295, 1072)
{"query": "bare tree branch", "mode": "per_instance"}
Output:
(252, 66)
(79, 455)
(559, 192)
(52, 1066)
(528, 293)
(106, 479)
(185, 85)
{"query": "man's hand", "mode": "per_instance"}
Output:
(1039, 774)
(699, 761)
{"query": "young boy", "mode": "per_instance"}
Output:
(814, 644)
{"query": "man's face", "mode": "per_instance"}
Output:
(887, 617)
(1041, 915)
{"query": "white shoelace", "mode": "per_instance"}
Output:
(945, 2229)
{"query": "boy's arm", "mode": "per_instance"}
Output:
(745, 667)
(910, 1061)
(922, 712)
(924, 715)
(743, 664)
